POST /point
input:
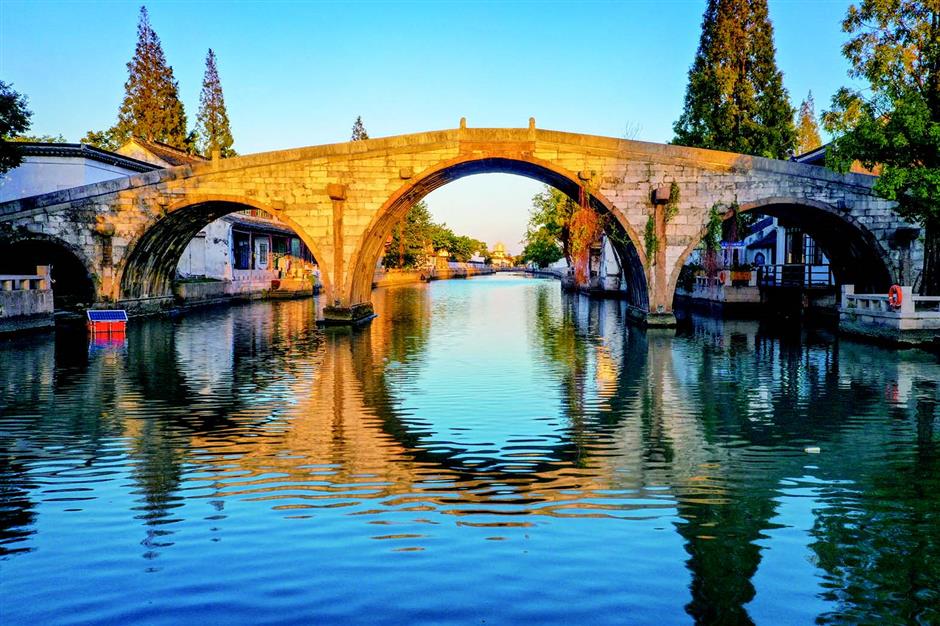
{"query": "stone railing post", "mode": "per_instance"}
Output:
(907, 301)
(752, 282)
(847, 290)
(43, 270)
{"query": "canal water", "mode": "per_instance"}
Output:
(487, 451)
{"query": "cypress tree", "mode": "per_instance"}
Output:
(807, 129)
(151, 108)
(735, 99)
(212, 126)
(358, 130)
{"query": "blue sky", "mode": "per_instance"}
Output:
(298, 73)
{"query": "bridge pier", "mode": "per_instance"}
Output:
(354, 315)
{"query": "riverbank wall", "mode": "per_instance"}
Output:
(390, 277)
(26, 302)
(200, 293)
(912, 322)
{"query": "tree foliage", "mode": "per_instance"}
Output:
(359, 130)
(895, 46)
(417, 238)
(735, 99)
(541, 248)
(39, 139)
(102, 139)
(807, 128)
(151, 108)
(550, 220)
(14, 120)
(212, 126)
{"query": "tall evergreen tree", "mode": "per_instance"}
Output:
(151, 108)
(358, 130)
(807, 128)
(735, 99)
(212, 126)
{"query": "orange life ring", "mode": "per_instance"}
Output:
(895, 297)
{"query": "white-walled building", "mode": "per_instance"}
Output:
(50, 167)
(245, 246)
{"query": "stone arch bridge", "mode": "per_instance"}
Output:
(343, 200)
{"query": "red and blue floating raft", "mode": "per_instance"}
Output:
(107, 322)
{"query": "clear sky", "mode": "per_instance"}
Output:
(297, 73)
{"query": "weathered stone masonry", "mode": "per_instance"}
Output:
(343, 200)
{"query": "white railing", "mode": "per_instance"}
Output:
(254, 275)
(27, 282)
(912, 305)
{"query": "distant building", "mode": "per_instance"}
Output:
(242, 247)
(817, 157)
(48, 167)
(499, 257)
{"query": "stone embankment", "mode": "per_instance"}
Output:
(914, 321)
(390, 277)
(26, 301)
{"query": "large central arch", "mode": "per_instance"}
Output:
(396, 208)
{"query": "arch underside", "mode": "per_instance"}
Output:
(855, 257)
(397, 207)
(150, 268)
(73, 286)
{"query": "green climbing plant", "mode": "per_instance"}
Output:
(712, 238)
(650, 240)
(672, 206)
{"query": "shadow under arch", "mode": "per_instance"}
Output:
(855, 255)
(73, 284)
(397, 206)
(150, 265)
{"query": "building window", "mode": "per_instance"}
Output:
(241, 251)
(794, 246)
(263, 253)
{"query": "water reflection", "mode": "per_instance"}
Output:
(660, 476)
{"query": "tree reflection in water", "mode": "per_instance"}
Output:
(705, 430)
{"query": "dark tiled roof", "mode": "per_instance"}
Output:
(816, 156)
(164, 152)
(259, 224)
(767, 241)
(80, 150)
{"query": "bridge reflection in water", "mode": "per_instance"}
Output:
(486, 449)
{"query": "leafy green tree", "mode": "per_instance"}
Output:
(14, 120)
(411, 239)
(212, 125)
(735, 99)
(550, 216)
(102, 139)
(541, 248)
(151, 108)
(39, 138)
(895, 124)
(807, 128)
(359, 130)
